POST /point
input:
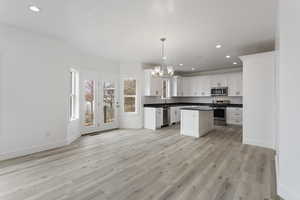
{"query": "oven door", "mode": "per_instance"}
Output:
(220, 116)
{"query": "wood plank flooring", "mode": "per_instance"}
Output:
(144, 165)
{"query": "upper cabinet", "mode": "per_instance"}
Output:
(219, 80)
(176, 86)
(204, 86)
(235, 84)
(196, 86)
(194, 89)
(186, 86)
(193, 86)
(153, 86)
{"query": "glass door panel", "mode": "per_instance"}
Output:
(89, 102)
(109, 100)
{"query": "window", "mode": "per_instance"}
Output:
(73, 99)
(165, 89)
(109, 101)
(89, 98)
(130, 96)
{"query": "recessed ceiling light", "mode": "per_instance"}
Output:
(180, 64)
(228, 56)
(34, 8)
(193, 68)
(235, 63)
(218, 46)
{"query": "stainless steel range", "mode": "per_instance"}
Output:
(219, 108)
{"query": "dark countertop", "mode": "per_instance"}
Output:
(159, 105)
(197, 108)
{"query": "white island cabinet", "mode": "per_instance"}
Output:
(196, 121)
(153, 118)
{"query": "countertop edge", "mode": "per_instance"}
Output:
(190, 104)
(197, 109)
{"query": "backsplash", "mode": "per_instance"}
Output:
(153, 100)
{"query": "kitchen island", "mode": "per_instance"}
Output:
(196, 121)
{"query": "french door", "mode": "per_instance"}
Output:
(110, 104)
(99, 103)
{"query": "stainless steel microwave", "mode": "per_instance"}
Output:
(219, 91)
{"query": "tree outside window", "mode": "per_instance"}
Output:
(130, 96)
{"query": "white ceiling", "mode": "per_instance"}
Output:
(129, 30)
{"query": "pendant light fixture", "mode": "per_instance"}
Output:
(163, 71)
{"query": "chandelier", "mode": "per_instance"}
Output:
(163, 71)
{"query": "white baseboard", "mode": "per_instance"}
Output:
(258, 143)
(27, 151)
(287, 194)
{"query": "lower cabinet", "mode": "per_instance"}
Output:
(174, 115)
(196, 123)
(153, 118)
(234, 116)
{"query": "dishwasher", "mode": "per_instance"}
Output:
(166, 116)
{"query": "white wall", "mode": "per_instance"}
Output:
(132, 120)
(289, 98)
(34, 86)
(258, 99)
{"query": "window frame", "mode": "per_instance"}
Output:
(135, 96)
(167, 90)
(114, 102)
(74, 95)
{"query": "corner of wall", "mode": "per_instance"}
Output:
(287, 194)
(254, 142)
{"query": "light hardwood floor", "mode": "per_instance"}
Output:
(144, 165)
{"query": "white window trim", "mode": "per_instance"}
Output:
(74, 94)
(168, 90)
(136, 96)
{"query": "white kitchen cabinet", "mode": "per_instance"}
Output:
(234, 116)
(153, 85)
(176, 86)
(153, 118)
(187, 89)
(204, 86)
(174, 115)
(196, 123)
(235, 84)
(219, 80)
(195, 86)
